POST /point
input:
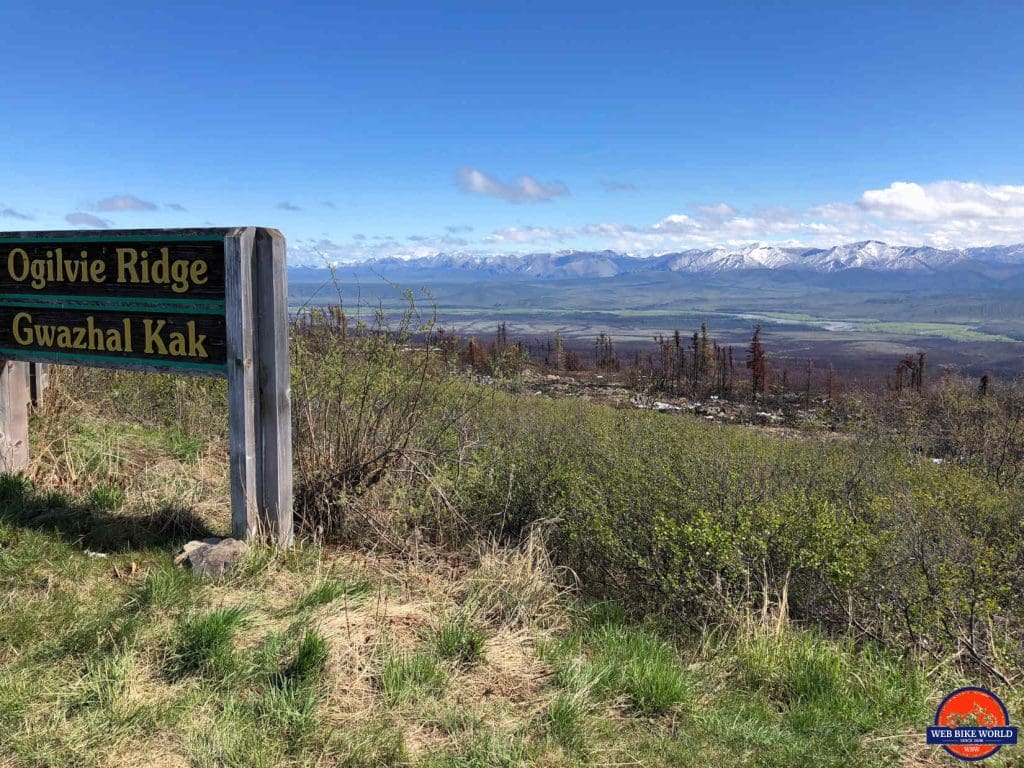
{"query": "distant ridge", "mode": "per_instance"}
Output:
(865, 255)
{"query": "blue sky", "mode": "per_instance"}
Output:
(406, 128)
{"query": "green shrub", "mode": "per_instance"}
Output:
(368, 405)
(718, 524)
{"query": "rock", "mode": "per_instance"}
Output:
(212, 557)
(193, 546)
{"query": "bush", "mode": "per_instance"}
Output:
(368, 405)
(717, 524)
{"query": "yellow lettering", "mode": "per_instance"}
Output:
(199, 272)
(22, 336)
(177, 345)
(154, 344)
(18, 253)
(38, 270)
(95, 334)
(159, 269)
(126, 261)
(45, 335)
(97, 270)
(195, 341)
(179, 276)
(113, 340)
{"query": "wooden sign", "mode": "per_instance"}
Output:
(145, 300)
(204, 302)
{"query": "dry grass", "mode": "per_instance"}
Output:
(518, 587)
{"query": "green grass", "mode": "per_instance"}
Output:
(235, 690)
(184, 447)
(951, 331)
(406, 676)
(792, 698)
(610, 660)
(485, 750)
(458, 638)
(165, 589)
(204, 643)
(309, 661)
(567, 720)
(105, 498)
(353, 591)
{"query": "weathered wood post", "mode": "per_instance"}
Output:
(238, 245)
(273, 383)
(38, 382)
(259, 394)
(14, 452)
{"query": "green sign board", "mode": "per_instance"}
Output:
(151, 300)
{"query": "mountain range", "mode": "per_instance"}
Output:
(866, 255)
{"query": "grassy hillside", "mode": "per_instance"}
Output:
(322, 656)
(519, 582)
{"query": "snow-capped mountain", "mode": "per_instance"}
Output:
(872, 254)
(998, 254)
(868, 255)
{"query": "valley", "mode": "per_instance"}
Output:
(967, 317)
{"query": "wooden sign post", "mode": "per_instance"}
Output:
(199, 302)
(38, 382)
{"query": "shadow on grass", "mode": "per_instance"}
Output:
(96, 528)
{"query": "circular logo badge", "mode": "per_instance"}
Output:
(970, 710)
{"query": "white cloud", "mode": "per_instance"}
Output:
(322, 251)
(945, 214)
(521, 189)
(676, 222)
(715, 210)
(124, 203)
(907, 201)
(521, 235)
(441, 242)
(87, 220)
(287, 206)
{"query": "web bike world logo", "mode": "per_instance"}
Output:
(972, 724)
